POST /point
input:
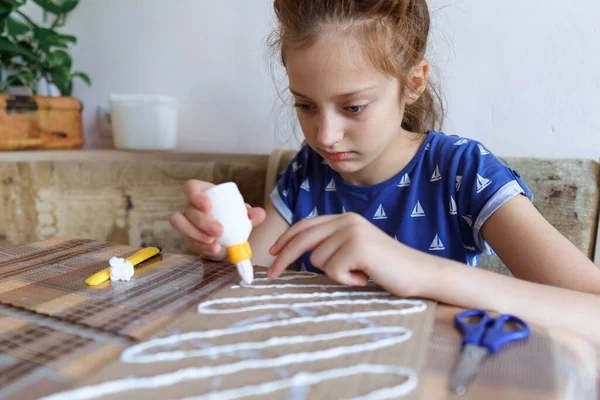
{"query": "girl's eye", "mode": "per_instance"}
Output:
(355, 109)
(304, 107)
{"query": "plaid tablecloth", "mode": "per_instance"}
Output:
(57, 334)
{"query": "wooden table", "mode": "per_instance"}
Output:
(57, 334)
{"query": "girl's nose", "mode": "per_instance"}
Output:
(330, 131)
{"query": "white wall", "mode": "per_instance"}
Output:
(523, 76)
(210, 55)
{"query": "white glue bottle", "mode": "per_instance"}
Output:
(229, 208)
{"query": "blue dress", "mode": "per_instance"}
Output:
(437, 203)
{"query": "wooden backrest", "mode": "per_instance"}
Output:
(566, 192)
(127, 197)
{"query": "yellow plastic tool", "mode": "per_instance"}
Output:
(138, 257)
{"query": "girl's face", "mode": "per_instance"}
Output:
(349, 111)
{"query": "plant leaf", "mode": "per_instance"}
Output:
(83, 77)
(48, 38)
(56, 42)
(44, 33)
(5, 11)
(25, 78)
(61, 77)
(9, 47)
(26, 45)
(48, 6)
(57, 7)
(59, 59)
(11, 3)
(69, 38)
(9, 81)
(16, 28)
(68, 5)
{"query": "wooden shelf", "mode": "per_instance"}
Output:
(122, 155)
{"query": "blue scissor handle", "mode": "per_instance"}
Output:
(496, 336)
(489, 332)
(472, 333)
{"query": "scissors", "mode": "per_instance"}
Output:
(481, 339)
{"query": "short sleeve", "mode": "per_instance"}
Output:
(285, 192)
(483, 184)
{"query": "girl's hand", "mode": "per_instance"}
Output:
(347, 248)
(199, 227)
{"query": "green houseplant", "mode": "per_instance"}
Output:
(31, 51)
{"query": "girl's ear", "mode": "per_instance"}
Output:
(416, 82)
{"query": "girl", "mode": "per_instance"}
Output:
(377, 192)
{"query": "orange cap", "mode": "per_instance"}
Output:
(239, 252)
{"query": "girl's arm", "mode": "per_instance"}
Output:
(548, 306)
(347, 247)
(264, 235)
(534, 250)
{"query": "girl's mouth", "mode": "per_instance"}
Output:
(339, 156)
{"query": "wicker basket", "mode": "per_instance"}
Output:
(38, 122)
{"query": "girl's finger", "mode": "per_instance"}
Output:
(342, 269)
(326, 249)
(257, 215)
(298, 227)
(304, 240)
(181, 224)
(213, 251)
(203, 222)
(194, 192)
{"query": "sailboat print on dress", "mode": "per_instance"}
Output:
(436, 174)
(458, 181)
(313, 213)
(482, 150)
(437, 244)
(418, 211)
(331, 186)
(405, 181)
(428, 146)
(461, 142)
(303, 268)
(305, 185)
(380, 213)
(453, 210)
(482, 183)
(284, 193)
(296, 166)
(344, 210)
(469, 220)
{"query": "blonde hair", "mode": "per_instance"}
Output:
(393, 34)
